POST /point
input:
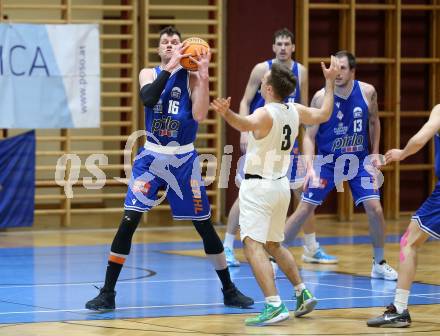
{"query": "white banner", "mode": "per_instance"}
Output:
(49, 76)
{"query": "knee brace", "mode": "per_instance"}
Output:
(122, 241)
(211, 241)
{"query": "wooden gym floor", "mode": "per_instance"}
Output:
(168, 288)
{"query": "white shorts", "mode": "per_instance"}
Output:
(263, 209)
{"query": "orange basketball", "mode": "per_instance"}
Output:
(193, 44)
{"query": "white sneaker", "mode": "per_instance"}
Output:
(383, 271)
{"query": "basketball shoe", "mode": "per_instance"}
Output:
(383, 271)
(269, 315)
(103, 302)
(305, 303)
(232, 297)
(318, 256)
(391, 319)
(231, 261)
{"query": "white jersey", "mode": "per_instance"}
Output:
(269, 157)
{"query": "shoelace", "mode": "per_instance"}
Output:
(391, 309)
(387, 267)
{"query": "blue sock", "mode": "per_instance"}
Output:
(378, 254)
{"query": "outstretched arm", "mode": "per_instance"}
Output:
(259, 121)
(313, 116)
(428, 130)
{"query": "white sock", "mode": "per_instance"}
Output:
(310, 241)
(401, 300)
(299, 288)
(229, 241)
(274, 300)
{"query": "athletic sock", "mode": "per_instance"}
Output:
(401, 300)
(273, 300)
(310, 241)
(225, 278)
(299, 288)
(114, 267)
(229, 241)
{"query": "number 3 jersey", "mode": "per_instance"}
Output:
(269, 157)
(346, 132)
(171, 118)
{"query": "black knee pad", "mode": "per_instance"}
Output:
(122, 241)
(211, 241)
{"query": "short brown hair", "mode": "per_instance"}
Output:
(350, 57)
(282, 80)
(170, 31)
(284, 32)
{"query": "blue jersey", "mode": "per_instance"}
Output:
(171, 118)
(295, 97)
(437, 155)
(346, 132)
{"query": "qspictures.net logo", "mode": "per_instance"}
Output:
(162, 163)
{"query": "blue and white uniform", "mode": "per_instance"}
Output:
(168, 160)
(296, 170)
(344, 134)
(428, 215)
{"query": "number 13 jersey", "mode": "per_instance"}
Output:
(269, 157)
(346, 132)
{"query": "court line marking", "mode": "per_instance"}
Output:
(203, 304)
(144, 282)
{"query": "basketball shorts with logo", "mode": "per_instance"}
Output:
(178, 175)
(263, 209)
(363, 185)
(428, 215)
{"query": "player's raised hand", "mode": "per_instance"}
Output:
(332, 71)
(202, 60)
(393, 155)
(221, 105)
(177, 54)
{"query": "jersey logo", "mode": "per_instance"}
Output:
(340, 115)
(349, 143)
(158, 107)
(166, 126)
(338, 104)
(176, 92)
(140, 186)
(357, 112)
(341, 129)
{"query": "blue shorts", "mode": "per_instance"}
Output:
(428, 215)
(179, 176)
(362, 185)
(296, 171)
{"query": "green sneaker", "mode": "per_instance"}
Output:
(305, 303)
(269, 315)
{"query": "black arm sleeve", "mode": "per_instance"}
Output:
(150, 93)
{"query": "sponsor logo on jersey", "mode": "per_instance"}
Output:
(176, 92)
(340, 115)
(357, 112)
(158, 107)
(341, 129)
(166, 126)
(141, 186)
(349, 143)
